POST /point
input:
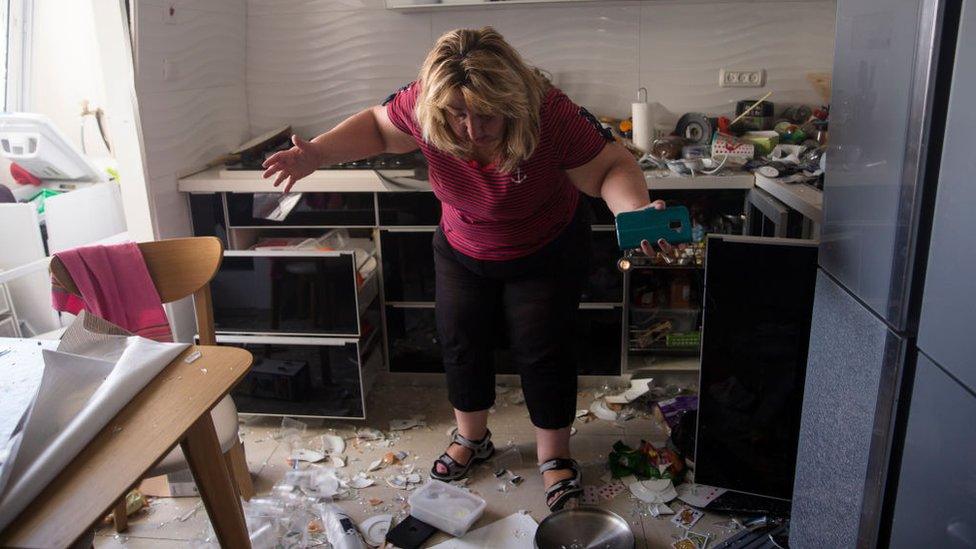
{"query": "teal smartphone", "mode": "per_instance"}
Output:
(672, 224)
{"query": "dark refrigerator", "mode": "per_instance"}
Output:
(887, 451)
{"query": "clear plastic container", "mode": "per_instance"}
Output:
(446, 507)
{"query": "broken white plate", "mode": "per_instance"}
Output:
(653, 491)
(572, 431)
(375, 466)
(325, 486)
(638, 387)
(404, 482)
(305, 454)
(374, 529)
(600, 410)
(581, 413)
(335, 461)
(333, 444)
(658, 509)
(360, 481)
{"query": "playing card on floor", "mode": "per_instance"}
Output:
(589, 496)
(687, 517)
(610, 491)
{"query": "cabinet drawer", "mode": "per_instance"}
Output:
(408, 266)
(207, 215)
(312, 210)
(605, 283)
(297, 376)
(409, 209)
(413, 342)
(285, 293)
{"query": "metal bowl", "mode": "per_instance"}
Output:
(584, 528)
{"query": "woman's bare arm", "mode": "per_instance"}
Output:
(364, 134)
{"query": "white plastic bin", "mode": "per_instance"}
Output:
(446, 507)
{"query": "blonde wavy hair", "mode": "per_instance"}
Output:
(494, 80)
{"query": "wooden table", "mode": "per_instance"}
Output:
(173, 408)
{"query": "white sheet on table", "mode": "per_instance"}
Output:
(21, 370)
(78, 395)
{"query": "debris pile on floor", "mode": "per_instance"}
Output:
(653, 476)
(300, 508)
(325, 469)
(352, 465)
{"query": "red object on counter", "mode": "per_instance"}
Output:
(23, 176)
(723, 124)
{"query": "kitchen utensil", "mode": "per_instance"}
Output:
(584, 527)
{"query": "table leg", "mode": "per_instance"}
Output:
(119, 515)
(202, 451)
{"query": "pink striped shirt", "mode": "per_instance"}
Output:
(490, 215)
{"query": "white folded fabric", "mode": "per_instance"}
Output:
(85, 383)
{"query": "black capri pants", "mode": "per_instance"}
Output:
(536, 298)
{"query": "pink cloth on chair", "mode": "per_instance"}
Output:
(115, 285)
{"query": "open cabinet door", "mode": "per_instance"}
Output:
(758, 304)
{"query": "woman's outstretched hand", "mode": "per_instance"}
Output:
(665, 247)
(291, 165)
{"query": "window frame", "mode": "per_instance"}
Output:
(20, 20)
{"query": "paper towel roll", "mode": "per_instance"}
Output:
(641, 115)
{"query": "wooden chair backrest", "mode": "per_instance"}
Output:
(178, 267)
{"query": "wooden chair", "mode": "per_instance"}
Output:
(180, 267)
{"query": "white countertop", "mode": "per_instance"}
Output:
(250, 181)
(806, 199)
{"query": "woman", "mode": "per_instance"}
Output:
(508, 156)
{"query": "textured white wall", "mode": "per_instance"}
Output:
(311, 63)
(194, 111)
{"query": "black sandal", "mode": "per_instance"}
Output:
(567, 488)
(480, 451)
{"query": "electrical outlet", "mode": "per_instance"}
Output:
(741, 78)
